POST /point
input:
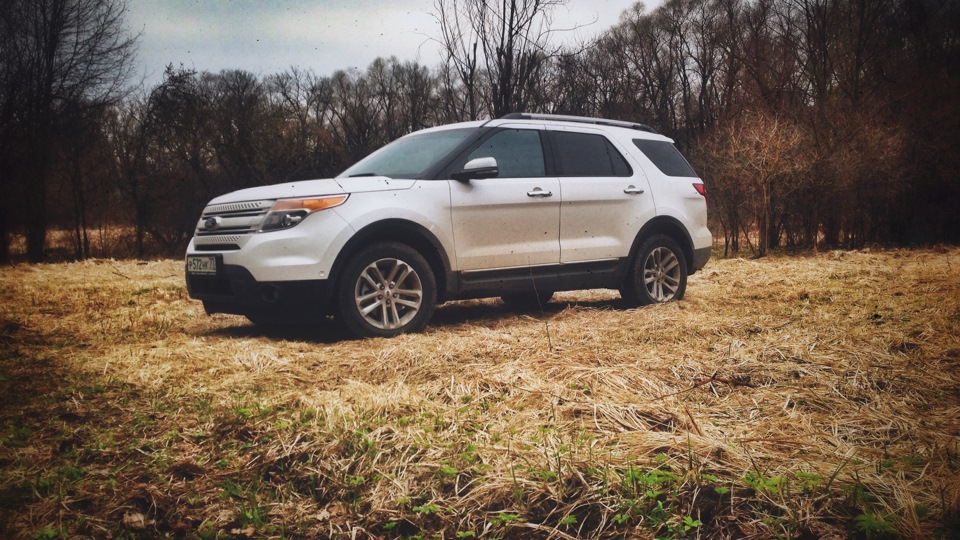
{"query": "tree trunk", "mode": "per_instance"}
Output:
(4, 237)
(36, 207)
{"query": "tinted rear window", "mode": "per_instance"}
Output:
(666, 157)
(585, 154)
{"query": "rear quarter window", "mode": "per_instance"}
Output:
(666, 157)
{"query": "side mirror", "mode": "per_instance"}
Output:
(484, 167)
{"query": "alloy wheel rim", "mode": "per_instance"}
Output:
(388, 294)
(661, 274)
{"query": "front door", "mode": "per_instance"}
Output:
(512, 220)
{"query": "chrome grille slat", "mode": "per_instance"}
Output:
(235, 220)
(219, 239)
(244, 214)
(237, 207)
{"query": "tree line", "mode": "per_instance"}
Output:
(815, 123)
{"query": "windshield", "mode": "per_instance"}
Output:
(410, 156)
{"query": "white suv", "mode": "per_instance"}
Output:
(519, 207)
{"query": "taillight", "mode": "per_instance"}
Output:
(702, 189)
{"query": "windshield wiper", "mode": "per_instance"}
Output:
(363, 174)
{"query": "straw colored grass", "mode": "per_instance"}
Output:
(798, 397)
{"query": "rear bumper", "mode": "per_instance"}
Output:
(234, 290)
(700, 258)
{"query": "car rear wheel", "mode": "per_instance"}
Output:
(385, 290)
(658, 273)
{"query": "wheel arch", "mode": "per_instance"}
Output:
(405, 232)
(671, 227)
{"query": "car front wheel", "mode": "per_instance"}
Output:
(658, 273)
(385, 290)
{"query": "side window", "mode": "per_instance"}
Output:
(518, 152)
(586, 154)
(666, 157)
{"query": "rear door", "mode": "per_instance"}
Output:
(512, 220)
(606, 197)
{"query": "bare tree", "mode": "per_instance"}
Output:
(419, 88)
(651, 63)
(299, 111)
(182, 137)
(509, 39)
(757, 162)
(55, 52)
(356, 114)
(462, 44)
(387, 93)
(126, 127)
(85, 173)
(249, 131)
(853, 93)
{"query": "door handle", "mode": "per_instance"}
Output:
(537, 192)
(633, 190)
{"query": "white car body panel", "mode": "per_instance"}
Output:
(497, 224)
(601, 216)
(314, 188)
(309, 250)
(676, 197)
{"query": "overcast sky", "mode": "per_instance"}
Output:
(270, 36)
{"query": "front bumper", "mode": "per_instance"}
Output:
(234, 290)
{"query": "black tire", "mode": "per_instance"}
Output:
(385, 290)
(526, 300)
(658, 273)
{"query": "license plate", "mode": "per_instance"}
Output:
(206, 265)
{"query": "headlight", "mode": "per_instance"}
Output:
(287, 213)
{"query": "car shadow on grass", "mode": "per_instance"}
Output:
(448, 317)
(327, 331)
(483, 313)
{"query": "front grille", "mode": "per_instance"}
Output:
(231, 221)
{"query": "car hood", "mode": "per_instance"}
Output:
(315, 188)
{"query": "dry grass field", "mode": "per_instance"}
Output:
(808, 396)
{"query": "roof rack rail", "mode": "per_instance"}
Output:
(581, 119)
